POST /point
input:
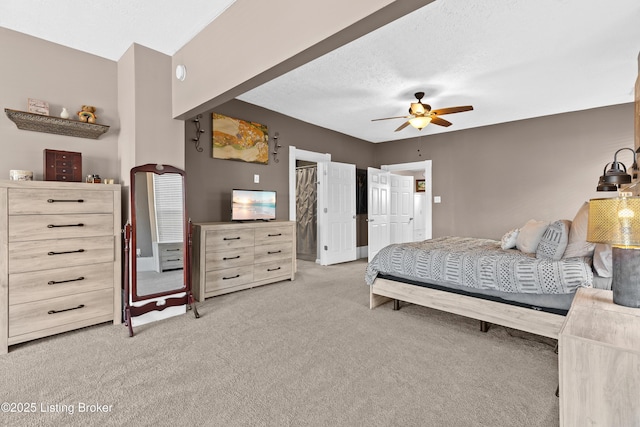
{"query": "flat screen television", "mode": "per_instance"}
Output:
(253, 205)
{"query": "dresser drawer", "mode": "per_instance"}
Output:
(229, 258)
(171, 263)
(54, 312)
(270, 270)
(273, 235)
(42, 227)
(218, 240)
(54, 201)
(265, 253)
(221, 279)
(41, 285)
(47, 254)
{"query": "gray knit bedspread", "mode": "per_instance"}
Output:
(480, 264)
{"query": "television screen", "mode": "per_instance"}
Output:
(250, 205)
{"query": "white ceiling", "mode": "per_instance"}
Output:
(510, 59)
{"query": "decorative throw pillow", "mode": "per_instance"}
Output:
(508, 241)
(530, 235)
(578, 245)
(554, 240)
(602, 262)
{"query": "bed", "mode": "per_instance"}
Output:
(526, 284)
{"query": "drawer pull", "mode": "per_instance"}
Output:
(67, 252)
(274, 235)
(231, 257)
(273, 252)
(231, 238)
(176, 259)
(232, 277)
(274, 269)
(173, 250)
(53, 282)
(66, 309)
(65, 225)
(65, 201)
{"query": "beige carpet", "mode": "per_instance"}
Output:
(302, 353)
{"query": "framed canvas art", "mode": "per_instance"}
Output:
(420, 186)
(236, 139)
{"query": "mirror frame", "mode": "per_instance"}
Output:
(160, 300)
(153, 168)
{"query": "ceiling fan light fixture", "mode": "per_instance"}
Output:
(417, 108)
(420, 122)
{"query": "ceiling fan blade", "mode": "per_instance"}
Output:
(389, 118)
(452, 110)
(440, 122)
(402, 126)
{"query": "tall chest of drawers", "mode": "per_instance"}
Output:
(228, 257)
(59, 258)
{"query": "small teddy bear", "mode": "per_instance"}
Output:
(87, 115)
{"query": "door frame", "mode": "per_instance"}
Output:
(424, 165)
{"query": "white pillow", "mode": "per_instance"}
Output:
(530, 235)
(508, 241)
(554, 240)
(578, 245)
(602, 262)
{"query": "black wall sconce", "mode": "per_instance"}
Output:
(276, 146)
(617, 175)
(199, 132)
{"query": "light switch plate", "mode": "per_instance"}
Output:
(256, 179)
(437, 199)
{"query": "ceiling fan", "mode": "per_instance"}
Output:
(422, 114)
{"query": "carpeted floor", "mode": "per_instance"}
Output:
(301, 353)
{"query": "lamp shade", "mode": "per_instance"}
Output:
(420, 122)
(615, 221)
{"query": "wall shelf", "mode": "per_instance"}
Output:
(55, 125)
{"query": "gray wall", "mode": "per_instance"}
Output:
(490, 179)
(497, 177)
(209, 180)
(64, 77)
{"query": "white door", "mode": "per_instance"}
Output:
(338, 234)
(401, 209)
(378, 210)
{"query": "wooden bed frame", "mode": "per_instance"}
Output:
(511, 316)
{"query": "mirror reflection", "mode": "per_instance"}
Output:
(159, 233)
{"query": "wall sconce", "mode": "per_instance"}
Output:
(617, 175)
(276, 146)
(199, 132)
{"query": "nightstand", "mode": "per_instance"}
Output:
(599, 362)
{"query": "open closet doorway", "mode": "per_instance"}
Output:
(306, 210)
(335, 205)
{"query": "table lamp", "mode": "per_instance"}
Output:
(616, 221)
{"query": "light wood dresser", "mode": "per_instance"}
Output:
(230, 256)
(59, 258)
(599, 362)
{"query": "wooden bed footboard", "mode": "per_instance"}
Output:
(511, 316)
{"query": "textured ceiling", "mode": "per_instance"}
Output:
(510, 59)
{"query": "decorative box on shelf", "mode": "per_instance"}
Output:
(55, 125)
